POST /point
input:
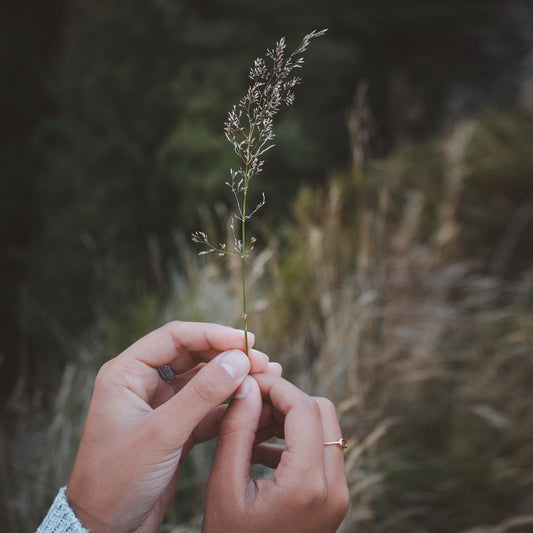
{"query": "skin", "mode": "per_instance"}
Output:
(139, 429)
(308, 491)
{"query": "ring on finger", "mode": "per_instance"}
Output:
(341, 443)
(166, 373)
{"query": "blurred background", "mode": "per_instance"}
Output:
(394, 265)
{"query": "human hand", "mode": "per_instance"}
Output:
(139, 428)
(308, 491)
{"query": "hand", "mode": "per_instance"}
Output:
(139, 428)
(308, 491)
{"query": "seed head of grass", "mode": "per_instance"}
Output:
(249, 128)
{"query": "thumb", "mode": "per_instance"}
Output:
(214, 383)
(232, 462)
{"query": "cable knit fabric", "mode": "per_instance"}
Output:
(61, 518)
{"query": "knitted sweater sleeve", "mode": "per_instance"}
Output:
(61, 518)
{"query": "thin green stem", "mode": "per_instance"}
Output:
(243, 261)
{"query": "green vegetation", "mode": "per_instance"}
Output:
(393, 269)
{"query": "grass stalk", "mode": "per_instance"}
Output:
(249, 129)
(243, 266)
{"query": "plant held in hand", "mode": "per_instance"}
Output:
(249, 129)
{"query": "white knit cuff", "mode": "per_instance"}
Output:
(61, 517)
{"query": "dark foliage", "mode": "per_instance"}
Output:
(112, 139)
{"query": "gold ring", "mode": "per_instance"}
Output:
(341, 443)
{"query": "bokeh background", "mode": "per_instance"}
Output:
(393, 270)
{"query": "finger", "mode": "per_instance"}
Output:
(267, 432)
(333, 455)
(267, 415)
(182, 379)
(196, 340)
(338, 492)
(259, 361)
(208, 428)
(263, 435)
(233, 455)
(183, 345)
(274, 368)
(165, 390)
(267, 455)
(176, 419)
(304, 437)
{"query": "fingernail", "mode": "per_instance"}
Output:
(259, 354)
(244, 388)
(235, 363)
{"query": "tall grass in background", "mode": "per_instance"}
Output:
(403, 291)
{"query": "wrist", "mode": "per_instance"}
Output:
(88, 519)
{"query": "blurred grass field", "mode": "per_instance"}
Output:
(403, 291)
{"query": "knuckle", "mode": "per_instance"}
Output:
(105, 372)
(172, 330)
(326, 404)
(206, 389)
(312, 407)
(172, 325)
(313, 493)
(231, 425)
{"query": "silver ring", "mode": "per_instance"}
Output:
(341, 443)
(166, 373)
